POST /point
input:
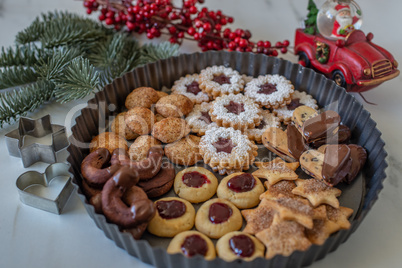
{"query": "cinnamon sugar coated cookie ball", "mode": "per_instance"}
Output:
(185, 151)
(176, 105)
(140, 147)
(192, 243)
(170, 129)
(140, 120)
(142, 97)
(173, 215)
(108, 140)
(119, 127)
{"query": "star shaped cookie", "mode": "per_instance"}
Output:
(275, 174)
(283, 237)
(282, 188)
(293, 210)
(321, 231)
(340, 216)
(259, 218)
(317, 192)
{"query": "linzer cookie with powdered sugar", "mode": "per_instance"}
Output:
(220, 80)
(268, 120)
(199, 119)
(270, 91)
(190, 87)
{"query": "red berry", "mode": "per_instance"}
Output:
(198, 23)
(173, 40)
(243, 43)
(89, 11)
(232, 45)
(180, 35)
(87, 4)
(102, 17)
(230, 19)
(197, 36)
(207, 26)
(218, 27)
(210, 45)
(260, 43)
(286, 43)
(284, 50)
(187, 4)
(172, 30)
(136, 9)
(150, 35)
(239, 49)
(109, 21)
(201, 1)
(153, 6)
(103, 10)
(232, 36)
(191, 31)
(168, 9)
(130, 25)
(226, 33)
(193, 10)
(249, 49)
(278, 44)
(237, 40)
(204, 9)
(223, 21)
(110, 14)
(146, 8)
(267, 44)
(274, 53)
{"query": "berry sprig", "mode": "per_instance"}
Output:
(157, 17)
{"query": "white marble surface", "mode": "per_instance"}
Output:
(34, 238)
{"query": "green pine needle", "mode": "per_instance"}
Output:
(21, 101)
(164, 50)
(78, 80)
(16, 76)
(21, 55)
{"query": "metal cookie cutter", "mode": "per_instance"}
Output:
(34, 178)
(35, 152)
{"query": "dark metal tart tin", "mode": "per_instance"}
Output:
(164, 73)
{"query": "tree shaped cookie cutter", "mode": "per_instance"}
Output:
(36, 152)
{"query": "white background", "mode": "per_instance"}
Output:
(34, 238)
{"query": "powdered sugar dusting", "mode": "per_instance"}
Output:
(283, 86)
(241, 142)
(193, 119)
(304, 99)
(236, 81)
(180, 87)
(251, 109)
(269, 119)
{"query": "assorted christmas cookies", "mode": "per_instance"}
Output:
(195, 184)
(189, 87)
(236, 111)
(285, 113)
(227, 150)
(192, 243)
(217, 217)
(220, 80)
(242, 189)
(270, 91)
(291, 213)
(239, 245)
(173, 215)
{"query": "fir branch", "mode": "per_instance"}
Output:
(151, 52)
(21, 101)
(16, 76)
(79, 79)
(21, 55)
(30, 34)
(52, 68)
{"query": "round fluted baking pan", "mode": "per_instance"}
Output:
(164, 73)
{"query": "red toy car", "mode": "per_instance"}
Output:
(354, 63)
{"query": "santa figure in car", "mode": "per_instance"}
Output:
(344, 21)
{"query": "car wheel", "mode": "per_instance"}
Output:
(304, 60)
(339, 78)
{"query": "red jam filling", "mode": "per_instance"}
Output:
(221, 79)
(193, 88)
(261, 125)
(194, 179)
(294, 104)
(194, 245)
(267, 89)
(205, 117)
(235, 107)
(170, 209)
(219, 213)
(241, 183)
(242, 245)
(223, 145)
